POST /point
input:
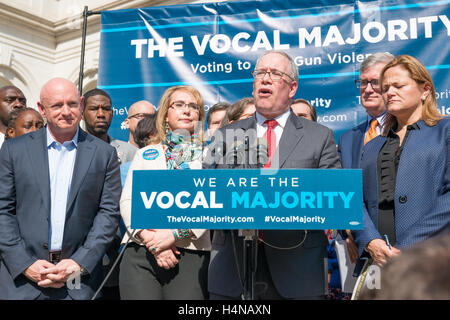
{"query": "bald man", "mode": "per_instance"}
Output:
(59, 207)
(136, 113)
(11, 98)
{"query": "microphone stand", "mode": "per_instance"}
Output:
(250, 244)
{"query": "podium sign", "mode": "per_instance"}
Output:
(247, 199)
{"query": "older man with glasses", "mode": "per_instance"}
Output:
(136, 113)
(290, 263)
(351, 143)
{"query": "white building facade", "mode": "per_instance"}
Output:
(41, 39)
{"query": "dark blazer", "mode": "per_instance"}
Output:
(92, 214)
(350, 146)
(350, 150)
(298, 272)
(422, 190)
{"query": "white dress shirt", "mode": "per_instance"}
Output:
(380, 120)
(2, 139)
(261, 127)
(61, 160)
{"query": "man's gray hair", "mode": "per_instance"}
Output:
(293, 69)
(373, 59)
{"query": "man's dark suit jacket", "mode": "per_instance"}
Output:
(92, 214)
(350, 146)
(298, 272)
(350, 150)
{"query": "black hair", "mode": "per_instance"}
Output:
(14, 115)
(145, 129)
(312, 109)
(216, 107)
(235, 111)
(96, 92)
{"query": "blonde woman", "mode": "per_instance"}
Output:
(167, 264)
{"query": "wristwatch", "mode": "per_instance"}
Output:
(138, 236)
(83, 271)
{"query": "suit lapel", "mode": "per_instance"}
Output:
(358, 140)
(373, 147)
(38, 156)
(85, 153)
(249, 127)
(246, 124)
(289, 139)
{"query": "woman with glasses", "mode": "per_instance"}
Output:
(406, 174)
(163, 263)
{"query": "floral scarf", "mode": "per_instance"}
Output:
(180, 151)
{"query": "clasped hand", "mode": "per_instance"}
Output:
(49, 275)
(161, 243)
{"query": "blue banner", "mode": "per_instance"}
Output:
(247, 199)
(214, 47)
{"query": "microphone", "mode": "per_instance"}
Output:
(236, 155)
(247, 151)
(215, 154)
(243, 153)
(262, 152)
(218, 152)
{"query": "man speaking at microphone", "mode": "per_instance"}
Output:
(290, 263)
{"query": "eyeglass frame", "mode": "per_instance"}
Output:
(376, 87)
(138, 115)
(189, 105)
(255, 75)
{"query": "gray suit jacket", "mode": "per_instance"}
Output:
(92, 214)
(125, 150)
(298, 272)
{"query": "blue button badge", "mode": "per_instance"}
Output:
(150, 154)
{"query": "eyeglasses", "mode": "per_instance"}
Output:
(179, 105)
(274, 74)
(362, 84)
(138, 116)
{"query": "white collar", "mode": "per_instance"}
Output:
(281, 119)
(379, 118)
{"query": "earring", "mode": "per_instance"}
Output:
(167, 127)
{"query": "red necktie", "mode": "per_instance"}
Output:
(372, 132)
(272, 146)
(271, 140)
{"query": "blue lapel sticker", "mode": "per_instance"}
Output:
(150, 154)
